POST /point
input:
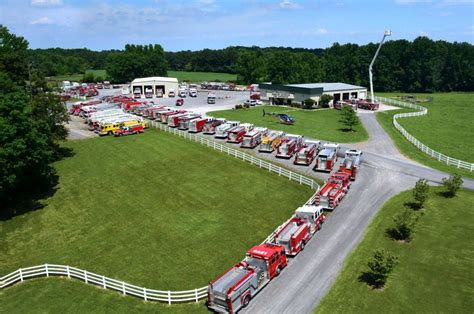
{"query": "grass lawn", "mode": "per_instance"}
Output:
(147, 210)
(198, 77)
(434, 274)
(448, 126)
(451, 136)
(97, 73)
(319, 124)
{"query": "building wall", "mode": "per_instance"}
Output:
(154, 84)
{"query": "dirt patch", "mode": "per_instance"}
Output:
(78, 129)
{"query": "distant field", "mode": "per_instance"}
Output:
(434, 274)
(198, 77)
(321, 124)
(447, 128)
(142, 209)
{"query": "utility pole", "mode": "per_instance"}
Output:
(386, 33)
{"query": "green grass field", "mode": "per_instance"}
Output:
(147, 210)
(445, 129)
(434, 274)
(198, 77)
(320, 124)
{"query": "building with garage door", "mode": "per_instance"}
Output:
(297, 93)
(156, 86)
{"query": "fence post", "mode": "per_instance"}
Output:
(103, 282)
(47, 271)
(21, 274)
(169, 297)
(279, 171)
(196, 291)
(85, 276)
(289, 177)
(260, 163)
(447, 160)
(144, 294)
(68, 272)
(123, 288)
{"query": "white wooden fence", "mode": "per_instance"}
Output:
(239, 154)
(146, 294)
(425, 149)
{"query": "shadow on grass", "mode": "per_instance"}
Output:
(412, 205)
(345, 130)
(30, 196)
(394, 235)
(370, 280)
(445, 194)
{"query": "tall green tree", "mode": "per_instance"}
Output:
(421, 192)
(349, 118)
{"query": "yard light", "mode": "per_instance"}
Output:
(385, 34)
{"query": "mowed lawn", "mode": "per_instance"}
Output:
(434, 272)
(321, 124)
(154, 210)
(198, 77)
(447, 128)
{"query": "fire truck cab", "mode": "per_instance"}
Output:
(351, 162)
(312, 215)
(235, 288)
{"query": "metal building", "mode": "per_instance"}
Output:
(297, 93)
(154, 84)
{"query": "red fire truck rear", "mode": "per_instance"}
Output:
(223, 129)
(331, 194)
(236, 134)
(183, 122)
(253, 138)
(164, 116)
(210, 127)
(196, 125)
(290, 144)
(293, 236)
(327, 157)
(351, 162)
(235, 288)
(173, 120)
(306, 154)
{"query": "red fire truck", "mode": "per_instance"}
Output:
(196, 125)
(290, 144)
(330, 195)
(184, 121)
(235, 288)
(210, 126)
(327, 158)
(312, 215)
(351, 162)
(293, 236)
(164, 116)
(253, 138)
(306, 154)
(128, 130)
(173, 120)
(236, 134)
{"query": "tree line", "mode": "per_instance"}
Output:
(422, 65)
(32, 124)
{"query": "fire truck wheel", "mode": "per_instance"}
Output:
(278, 271)
(319, 226)
(111, 133)
(246, 300)
(302, 245)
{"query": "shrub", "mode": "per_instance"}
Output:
(349, 118)
(381, 265)
(404, 225)
(421, 192)
(452, 184)
(247, 106)
(309, 103)
(89, 78)
(325, 100)
(238, 107)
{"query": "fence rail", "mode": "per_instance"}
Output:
(146, 294)
(425, 149)
(239, 154)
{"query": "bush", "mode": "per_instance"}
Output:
(381, 265)
(89, 78)
(452, 184)
(296, 105)
(420, 192)
(309, 103)
(247, 106)
(404, 225)
(238, 107)
(325, 100)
